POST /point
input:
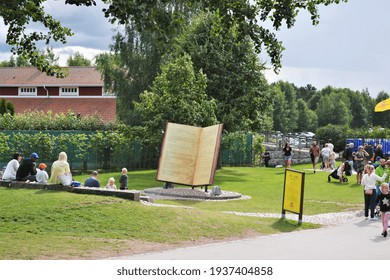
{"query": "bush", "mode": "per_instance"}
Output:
(38, 120)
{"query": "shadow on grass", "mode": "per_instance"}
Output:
(45, 191)
(288, 225)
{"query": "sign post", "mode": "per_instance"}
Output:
(294, 182)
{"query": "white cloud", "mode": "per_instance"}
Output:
(65, 52)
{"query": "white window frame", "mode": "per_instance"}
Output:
(69, 91)
(27, 91)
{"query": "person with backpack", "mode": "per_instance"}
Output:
(348, 152)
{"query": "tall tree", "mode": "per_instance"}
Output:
(307, 119)
(177, 95)
(280, 108)
(235, 78)
(154, 15)
(78, 60)
(333, 109)
(285, 107)
(306, 92)
(131, 69)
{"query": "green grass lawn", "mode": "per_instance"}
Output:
(41, 224)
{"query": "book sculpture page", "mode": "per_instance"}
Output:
(189, 154)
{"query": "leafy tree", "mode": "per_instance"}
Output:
(279, 108)
(78, 60)
(3, 106)
(154, 15)
(306, 92)
(17, 61)
(10, 108)
(177, 95)
(6, 107)
(332, 109)
(338, 134)
(235, 78)
(285, 107)
(130, 70)
(307, 119)
(359, 112)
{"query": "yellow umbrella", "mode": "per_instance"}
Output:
(384, 105)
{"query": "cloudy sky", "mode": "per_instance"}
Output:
(349, 48)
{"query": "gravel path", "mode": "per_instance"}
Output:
(322, 219)
(201, 195)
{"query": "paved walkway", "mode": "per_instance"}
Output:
(357, 239)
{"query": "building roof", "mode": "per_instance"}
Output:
(105, 107)
(31, 76)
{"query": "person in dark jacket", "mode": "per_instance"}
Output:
(92, 181)
(378, 152)
(27, 169)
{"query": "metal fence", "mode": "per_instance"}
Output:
(132, 155)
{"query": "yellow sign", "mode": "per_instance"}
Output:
(293, 191)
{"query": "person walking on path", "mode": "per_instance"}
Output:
(359, 164)
(287, 154)
(384, 206)
(325, 153)
(330, 145)
(314, 155)
(369, 179)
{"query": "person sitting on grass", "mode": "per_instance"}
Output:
(111, 184)
(92, 181)
(42, 175)
(60, 169)
(27, 170)
(338, 173)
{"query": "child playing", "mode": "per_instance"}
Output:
(42, 175)
(384, 206)
(123, 179)
(111, 184)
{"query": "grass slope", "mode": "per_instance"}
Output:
(60, 225)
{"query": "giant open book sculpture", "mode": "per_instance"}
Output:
(189, 154)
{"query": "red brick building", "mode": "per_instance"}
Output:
(81, 91)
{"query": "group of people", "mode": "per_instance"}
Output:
(327, 155)
(93, 181)
(375, 177)
(27, 170)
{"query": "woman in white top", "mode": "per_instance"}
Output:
(12, 167)
(368, 181)
(325, 153)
